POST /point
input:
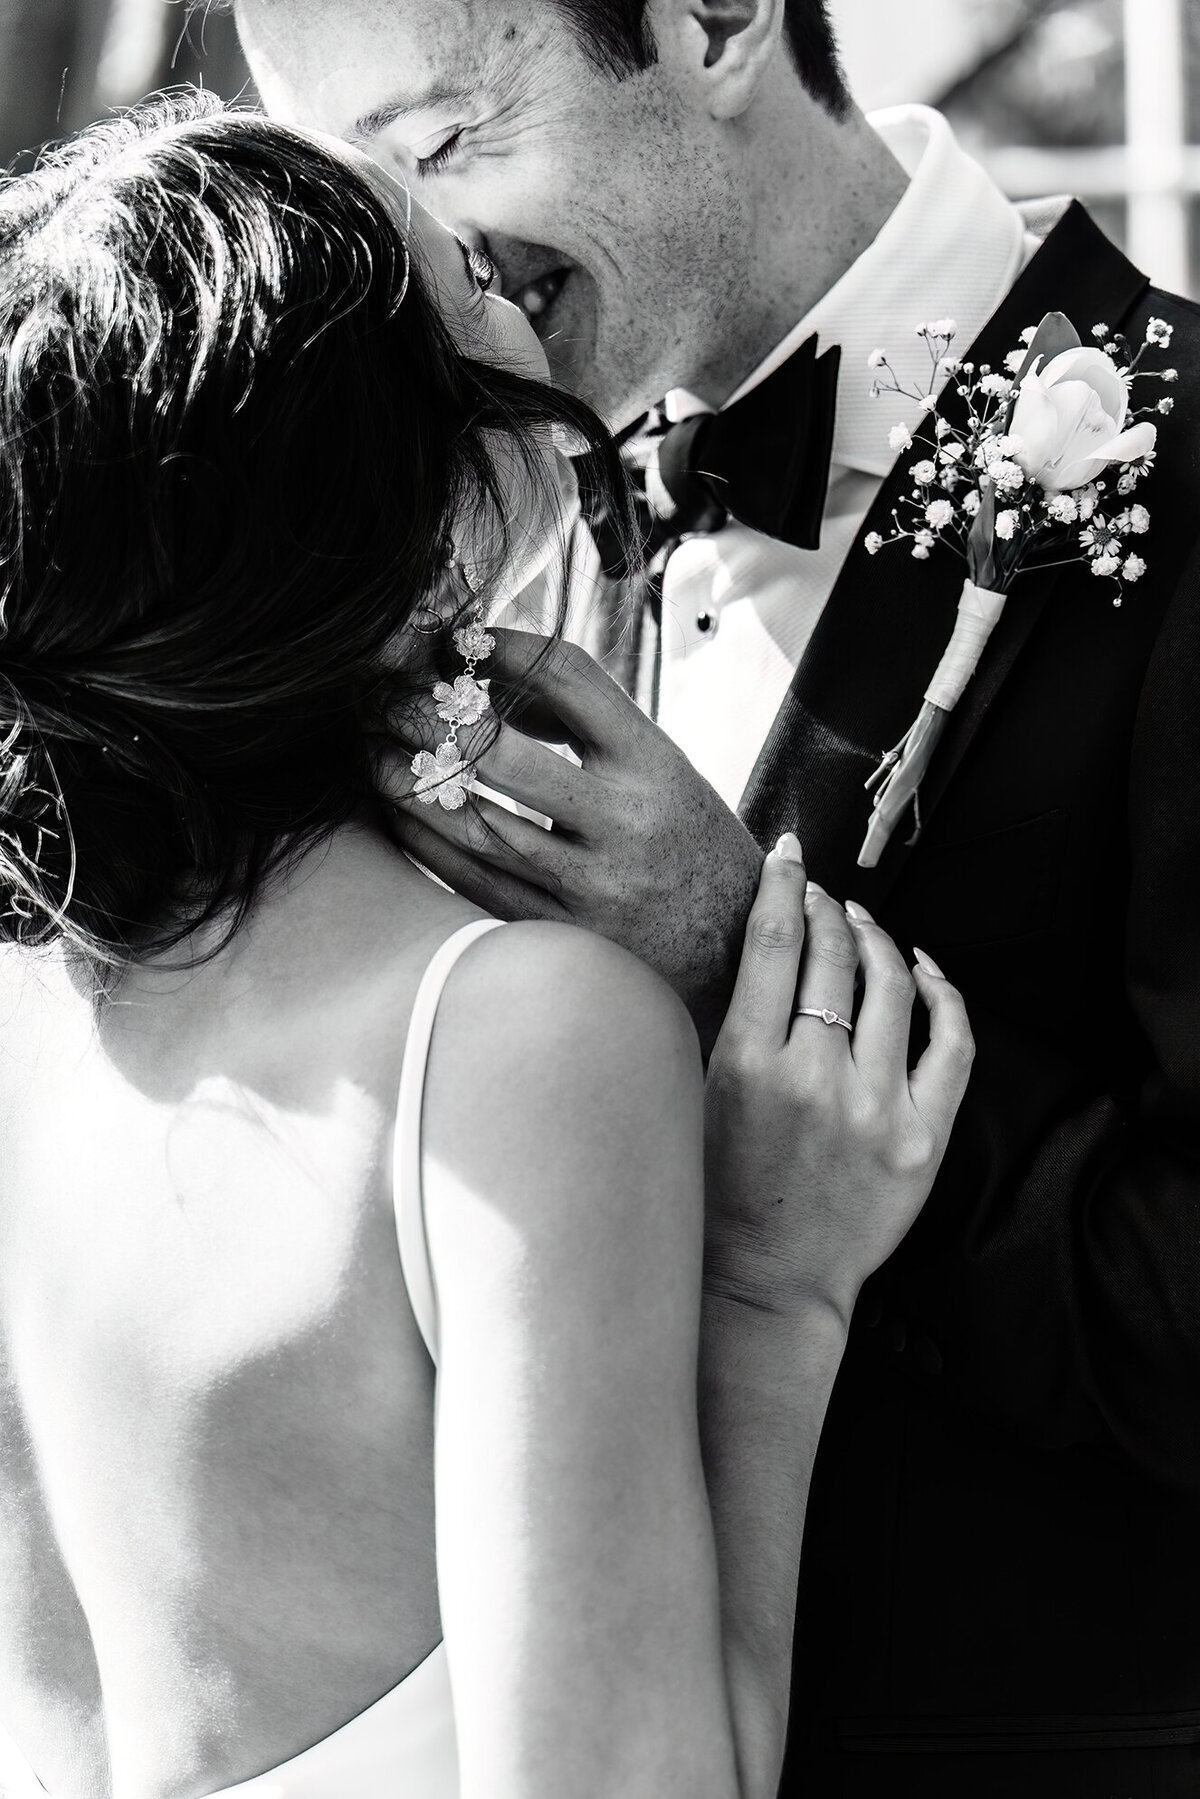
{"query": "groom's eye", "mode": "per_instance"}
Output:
(437, 159)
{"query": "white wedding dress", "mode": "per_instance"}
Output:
(403, 1746)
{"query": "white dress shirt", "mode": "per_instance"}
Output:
(738, 607)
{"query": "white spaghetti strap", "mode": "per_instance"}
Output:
(407, 1195)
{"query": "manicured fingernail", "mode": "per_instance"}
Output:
(927, 963)
(858, 914)
(788, 848)
(816, 887)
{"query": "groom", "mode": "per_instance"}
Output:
(1002, 1569)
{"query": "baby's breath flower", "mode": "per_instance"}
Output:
(942, 427)
(971, 503)
(872, 543)
(877, 359)
(1006, 525)
(939, 514)
(1100, 332)
(900, 437)
(928, 403)
(1063, 509)
(923, 473)
(1028, 335)
(1159, 332)
(1008, 476)
(1106, 565)
(1139, 520)
(1169, 375)
(1134, 568)
(1014, 362)
(1166, 406)
(1088, 501)
(953, 452)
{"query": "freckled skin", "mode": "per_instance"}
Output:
(693, 230)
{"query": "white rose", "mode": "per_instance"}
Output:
(1071, 416)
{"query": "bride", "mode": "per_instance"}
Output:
(272, 1486)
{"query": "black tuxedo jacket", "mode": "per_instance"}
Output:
(1003, 1541)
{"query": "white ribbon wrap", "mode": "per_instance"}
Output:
(899, 776)
(978, 611)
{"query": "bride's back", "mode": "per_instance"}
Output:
(243, 421)
(216, 1437)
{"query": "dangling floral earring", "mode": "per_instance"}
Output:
(443, 775)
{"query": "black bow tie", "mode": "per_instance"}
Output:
(764, 460)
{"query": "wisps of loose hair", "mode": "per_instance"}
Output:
(235, 438)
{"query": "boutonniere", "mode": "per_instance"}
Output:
(1042, 474)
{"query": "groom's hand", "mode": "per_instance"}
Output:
(642, 849)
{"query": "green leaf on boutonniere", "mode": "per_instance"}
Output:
(981, 542)
(1053, 336)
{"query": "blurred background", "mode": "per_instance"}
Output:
(1099, 98)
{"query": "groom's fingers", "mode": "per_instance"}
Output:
(528, 771)
(503, 895)
(490, 833)
(576, 689)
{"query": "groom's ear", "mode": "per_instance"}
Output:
(729, 45)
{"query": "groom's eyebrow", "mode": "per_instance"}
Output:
(403, 105)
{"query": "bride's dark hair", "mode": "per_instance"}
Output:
(235, 436)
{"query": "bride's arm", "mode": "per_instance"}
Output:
(576, 1564)
(822, 1147)
(593, 1647)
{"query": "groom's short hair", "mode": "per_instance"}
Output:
(618, 38)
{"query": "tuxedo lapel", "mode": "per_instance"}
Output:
(889, 617)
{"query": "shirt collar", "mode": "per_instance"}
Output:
(952, 248)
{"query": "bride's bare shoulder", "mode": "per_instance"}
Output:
(562, 1126)
(544, 989)
(548, 1034)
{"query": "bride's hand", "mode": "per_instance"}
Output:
(822, 1145)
